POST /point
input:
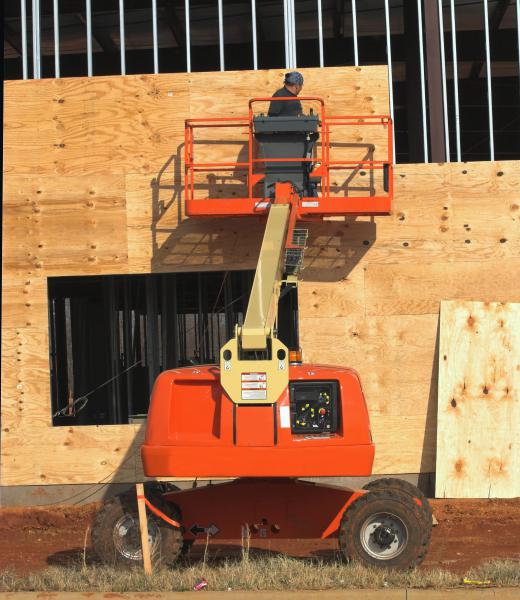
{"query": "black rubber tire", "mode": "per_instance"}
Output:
(169, 543)
(397, 504)
(405, 487)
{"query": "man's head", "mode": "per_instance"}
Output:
(294, 82)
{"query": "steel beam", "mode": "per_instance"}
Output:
(390, 76)
(354, 33)
(175, 25)
(154, 38)
(455, 78)
(339, 21)
(518, 32)
(443, 73)
(122, 36)
(127, 342)
(23, 19)
(188, 33)
(152, 329)
(488, 81)
(221, 35)
(36, 39)
(254, 32)
(56, 22)
(413, 83)
(433, 62)
(12, 39)
(88, 11)
(320, 32)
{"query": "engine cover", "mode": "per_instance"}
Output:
(318, 426)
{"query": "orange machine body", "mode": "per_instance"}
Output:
(195, 430)
(272, 509)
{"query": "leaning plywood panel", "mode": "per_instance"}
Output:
(478, 426)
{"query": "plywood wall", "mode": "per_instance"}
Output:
(93, 185)
(478, 453)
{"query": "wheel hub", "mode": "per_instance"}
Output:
(384, 536)
(127, 537)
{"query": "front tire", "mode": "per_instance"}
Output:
(116, 536)
(384, 528)
(400, 485)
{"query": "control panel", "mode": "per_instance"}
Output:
(314, 406)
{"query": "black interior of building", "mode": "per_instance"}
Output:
(110, 336)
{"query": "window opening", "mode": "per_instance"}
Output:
(110, 336)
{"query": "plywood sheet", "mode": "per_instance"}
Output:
(58, 225)
(478, 453)
(395, 357)
(79, 126)
(400, 289)
(62, 455)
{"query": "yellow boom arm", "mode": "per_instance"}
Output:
(263, 302)
(254, 364)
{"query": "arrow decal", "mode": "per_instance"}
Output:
(210, 530)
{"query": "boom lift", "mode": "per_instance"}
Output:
(263, 416)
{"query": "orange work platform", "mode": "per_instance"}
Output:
(323, 164)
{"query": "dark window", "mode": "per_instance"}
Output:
(110, 336)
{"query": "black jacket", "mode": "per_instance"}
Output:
(285, 109)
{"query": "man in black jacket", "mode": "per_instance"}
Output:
(293, 84)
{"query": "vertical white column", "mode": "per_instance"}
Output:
(221, 35)
(389, 59)
(56, 18)
(293, 26)
(154, 37)
(188, 43)
(285, 33)
(423, 85)
(443, 73)
(253, 27)
(456, 78)
(354, 32)
(290, 34)
(122, 36)
(320, 32)
(36, 38)
(88, 12)
(489, 94)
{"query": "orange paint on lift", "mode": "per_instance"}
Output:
(193, 430)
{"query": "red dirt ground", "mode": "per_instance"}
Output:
(469, 533)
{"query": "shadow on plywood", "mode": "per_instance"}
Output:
(335, 246)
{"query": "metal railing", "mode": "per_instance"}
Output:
(325, 203)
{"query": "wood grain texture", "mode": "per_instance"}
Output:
(93, 184)
(478, 454)
(398, 289)
(395, 357)
(58, 225)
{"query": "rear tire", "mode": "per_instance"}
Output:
(404, 487)
(384, 528)
(116, 536)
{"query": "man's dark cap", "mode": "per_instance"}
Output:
(293, 78)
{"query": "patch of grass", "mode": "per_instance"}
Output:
(263, 573)
(507, 572)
